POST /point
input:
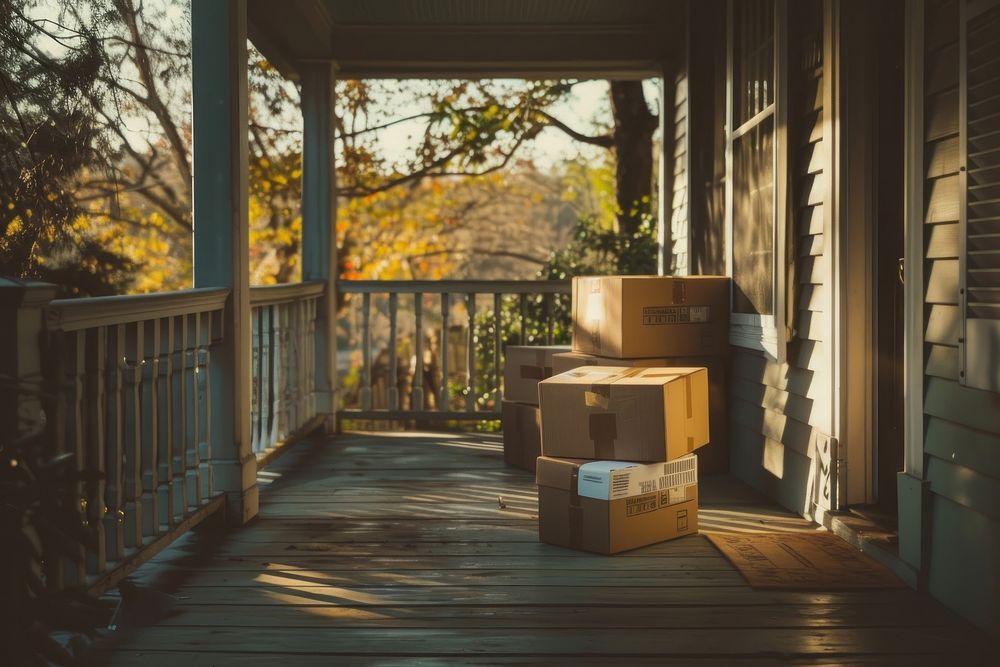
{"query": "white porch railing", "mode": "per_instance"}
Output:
(283, 365)
(132, 403)
(467, 403)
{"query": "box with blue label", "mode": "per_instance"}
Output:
(612, 506)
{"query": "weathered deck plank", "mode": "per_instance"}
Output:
(385, 549)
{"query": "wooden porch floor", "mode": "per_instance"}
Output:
(391, 548)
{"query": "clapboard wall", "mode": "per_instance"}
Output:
(962, 425)
(778, 410)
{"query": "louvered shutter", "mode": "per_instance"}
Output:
(980, 188)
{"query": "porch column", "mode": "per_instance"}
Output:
(319, 214)
(221, 229)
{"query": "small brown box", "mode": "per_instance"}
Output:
(524, 367)
(651, 316)
(624, 414)
(567, 519)
(522, 434)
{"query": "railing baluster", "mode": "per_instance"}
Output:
(522, 314)
(470, 374)
(497, 321)
(310, 348)
(205, 486)
(291, 387)
(256, 387)
(193, 457)
(115, 450)
(445, 402)
(417, 396)
(165, 420)
(178, 354)
(76, 572)
(393, 361)
(300, 364)
(96, 460)
(280, 373)
(150, 432)
(365, 394)
(133, 452)
(276, 373)
(265, 390)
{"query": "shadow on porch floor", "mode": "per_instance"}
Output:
(392, 548)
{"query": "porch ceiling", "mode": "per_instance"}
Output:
(470, 38)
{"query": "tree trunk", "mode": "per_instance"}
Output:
(633, 140)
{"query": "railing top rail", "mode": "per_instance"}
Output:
(455, 286)
(271, 295)
(76, 314)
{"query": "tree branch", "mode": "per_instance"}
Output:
(603, 140)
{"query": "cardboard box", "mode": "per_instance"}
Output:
(524, 367)
(609, 507)
(651, 316)
(713, 457)
(624, 414)
(522, 434)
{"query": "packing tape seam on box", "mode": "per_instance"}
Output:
(603, 431)
(575, 510)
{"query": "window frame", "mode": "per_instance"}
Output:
(765, 333)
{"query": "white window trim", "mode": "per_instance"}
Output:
(765, 333)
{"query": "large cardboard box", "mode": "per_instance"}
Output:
(524, 367)
(608, 507)
(713, 457)
(651, 316)
(522, 434)
(624, 414)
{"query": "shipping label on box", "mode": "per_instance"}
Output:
(648, 316)
(610, 480)
(624, 414)
(524, 367)
(567, 517)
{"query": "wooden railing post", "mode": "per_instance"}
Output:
(221, 237)
(21, 353)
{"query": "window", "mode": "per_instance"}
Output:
(979, 210)
(755, 217)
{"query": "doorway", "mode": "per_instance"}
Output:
(890, 265)
(872, 88)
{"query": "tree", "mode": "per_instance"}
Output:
(477, 127)
(137, 190)
(47, 137)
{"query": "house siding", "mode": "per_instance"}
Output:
(779, 409)
(962, 429)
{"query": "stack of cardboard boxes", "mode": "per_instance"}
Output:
(624, 411)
